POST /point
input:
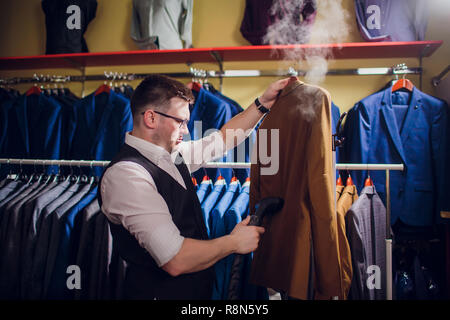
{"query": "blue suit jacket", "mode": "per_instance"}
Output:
(380, 130)
(34, 128)
(237, 211)
(213, 113)
(204, 189)
(234, 155)
(218, 230)
(335, 115)
(217, 214)
(98, 126)
(209, 203)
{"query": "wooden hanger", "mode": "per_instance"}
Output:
(339, 181)
(33, 90)
(194, 86)
(103, 88)
(349, 181)
(368, 182)
(403, 84)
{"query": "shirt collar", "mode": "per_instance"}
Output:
(151, 151)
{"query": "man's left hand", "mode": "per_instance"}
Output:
(269, 97)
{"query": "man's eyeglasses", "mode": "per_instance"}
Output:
(182, 122)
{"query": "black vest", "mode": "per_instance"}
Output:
(144, 279)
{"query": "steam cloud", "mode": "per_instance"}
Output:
(330, 26)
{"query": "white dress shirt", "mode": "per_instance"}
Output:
(130, 196)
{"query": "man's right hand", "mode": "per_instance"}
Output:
(246, 237)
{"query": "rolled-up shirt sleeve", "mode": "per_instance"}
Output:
(130, 198)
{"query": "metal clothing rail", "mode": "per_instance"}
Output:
(206, 74)
(243, 165)
(435, 80)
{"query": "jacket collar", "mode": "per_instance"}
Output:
(291, 86)
(388, 113)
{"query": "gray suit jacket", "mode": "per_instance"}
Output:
(10, 266)
(84, 253)
(55, 234)
(366, 233)
(31, 219)
(42, 242)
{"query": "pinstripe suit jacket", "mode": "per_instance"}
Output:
(366, 231)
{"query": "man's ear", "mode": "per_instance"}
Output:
(150, 119)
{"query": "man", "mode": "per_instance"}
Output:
(148, 196)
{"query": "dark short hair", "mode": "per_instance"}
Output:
(156, 91)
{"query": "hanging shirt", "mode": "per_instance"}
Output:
(392, 20)
(66, 22)
(162, 24)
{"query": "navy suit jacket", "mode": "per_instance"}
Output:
(220, 187)
(235, 156)
(335, 115)
(204, 189)
(98, 126)
(213, 113)
(34, 128)
(218, 230)
(379, 130)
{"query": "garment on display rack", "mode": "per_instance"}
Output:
(211, 111)
(41, 239)
(65, 127)
(401, 124)
(98, 126)
(31, 134)
(158, 24)
(406, 127)
(348, 196)
(312, 221)
(66, 22)
(366, 233)
(259, 15)
(50, 222)
(6, 99)
(392, 20)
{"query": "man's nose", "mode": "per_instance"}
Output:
(184, 129)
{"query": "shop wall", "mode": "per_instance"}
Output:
(216, 23)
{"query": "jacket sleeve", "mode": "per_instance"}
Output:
(327, 273)
(441, 157)
(357, 141)
(186, 23)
